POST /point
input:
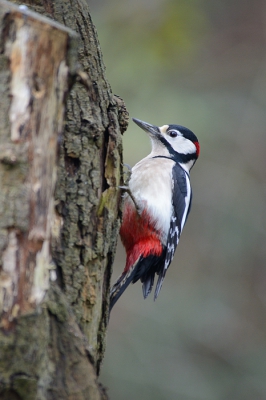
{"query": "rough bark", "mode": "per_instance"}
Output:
(52, 336)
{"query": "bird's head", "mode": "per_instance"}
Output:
(172, 141)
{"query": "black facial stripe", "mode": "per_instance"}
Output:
(177, 157)
(167, 145)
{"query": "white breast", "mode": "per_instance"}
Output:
(151, 186)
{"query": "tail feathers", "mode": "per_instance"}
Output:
(147, 285)
(143, 269)
(159, 285)
(122, 283)
(161, 272)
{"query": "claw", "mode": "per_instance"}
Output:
(127, 174)
(128, 167)
(125, 188)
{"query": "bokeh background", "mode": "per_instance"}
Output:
(202, 64)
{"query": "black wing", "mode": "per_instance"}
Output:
(181, 206)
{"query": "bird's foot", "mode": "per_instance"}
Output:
(126, 173)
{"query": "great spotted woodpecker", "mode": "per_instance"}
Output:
(157, 203)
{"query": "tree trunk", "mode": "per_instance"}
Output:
(57, 246)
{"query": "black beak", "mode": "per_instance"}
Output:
(151, 129)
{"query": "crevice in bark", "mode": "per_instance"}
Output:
(9, 395)
(72, 165)
(105, 309)
(105, 185)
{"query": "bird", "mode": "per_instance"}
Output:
(157, 201)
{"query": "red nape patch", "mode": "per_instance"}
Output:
(138, 235)
(197, 147)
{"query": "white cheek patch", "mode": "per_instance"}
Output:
(182, 145)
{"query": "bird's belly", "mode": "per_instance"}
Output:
(155, 196)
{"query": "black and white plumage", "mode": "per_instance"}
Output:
(181, 201)
(156, 206)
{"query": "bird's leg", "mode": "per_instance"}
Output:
(125, 187)
(128, 191)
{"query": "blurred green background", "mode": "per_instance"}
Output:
(202, 64)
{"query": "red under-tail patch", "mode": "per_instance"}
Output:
(138, 235)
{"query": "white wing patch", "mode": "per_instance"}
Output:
(187, 201)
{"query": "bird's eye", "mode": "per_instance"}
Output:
(173, 134)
